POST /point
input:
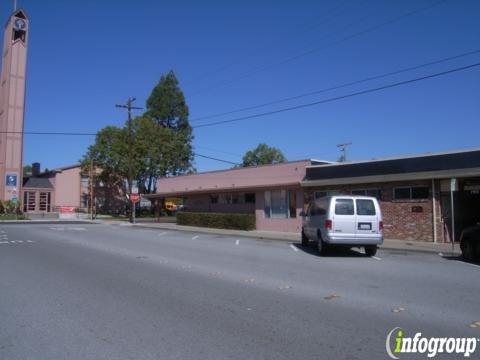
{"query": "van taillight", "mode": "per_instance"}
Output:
(328, 224)
(380, 225)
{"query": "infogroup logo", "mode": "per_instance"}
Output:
(398, 343)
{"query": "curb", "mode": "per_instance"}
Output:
(384, 246)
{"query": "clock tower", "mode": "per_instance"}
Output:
(12, 105)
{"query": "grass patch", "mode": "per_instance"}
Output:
(13, 217)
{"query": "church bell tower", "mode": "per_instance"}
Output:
(12, 105)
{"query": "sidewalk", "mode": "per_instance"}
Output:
(388, 244)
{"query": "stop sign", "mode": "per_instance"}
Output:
(134, 198)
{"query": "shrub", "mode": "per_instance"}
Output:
(9, 207)
(217, 220)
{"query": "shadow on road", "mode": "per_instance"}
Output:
(460, 258)
(332, 252)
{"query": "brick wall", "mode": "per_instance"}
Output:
(403, 219)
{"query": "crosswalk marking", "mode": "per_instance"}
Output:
(8, 242)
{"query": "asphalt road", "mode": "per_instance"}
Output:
(77, 291)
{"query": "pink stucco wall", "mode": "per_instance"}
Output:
(67, 187)
(290, 173)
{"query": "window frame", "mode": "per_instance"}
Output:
(410, 188)
(267, 208)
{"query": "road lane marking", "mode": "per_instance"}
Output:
(19, 241)
(376, 258)
(195, 237)
(237, 242)
(163, 233)
(30, 241)
(294, 248)
(12, 242)
(3, 242)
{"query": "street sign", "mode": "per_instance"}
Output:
(134, 198)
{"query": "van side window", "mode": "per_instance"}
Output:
(344, 207)
(365, 207)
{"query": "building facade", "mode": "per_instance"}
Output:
(415, 192)
(271, 192)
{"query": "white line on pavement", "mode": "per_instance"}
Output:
(237, 242)
(30, 241)
(163, 233)
(195, 237)
(19, 241)
(13, 242)
(376, 258)
(294, 248)
(3, 242)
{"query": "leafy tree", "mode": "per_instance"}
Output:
(27, 169)
(167, 108)
(162, 142)
(262, 155)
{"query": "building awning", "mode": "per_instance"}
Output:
(420, 167)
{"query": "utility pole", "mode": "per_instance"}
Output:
(129, 106)
(343, 149)
(91, 189)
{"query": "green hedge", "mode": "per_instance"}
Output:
(217, 220)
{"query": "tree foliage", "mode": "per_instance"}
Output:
(161, 141)
(262, 155)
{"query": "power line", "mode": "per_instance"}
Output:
(216, 159)
(400, 83)
(336, 87)
(94, 134)
(314, 50)
(323, 20)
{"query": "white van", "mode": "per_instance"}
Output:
(349, 221)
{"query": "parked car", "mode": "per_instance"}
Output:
(470, 243)
(346, 221)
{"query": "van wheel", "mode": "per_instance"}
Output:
(371, 250)
(321, 245)
(304, 239)
(468, 252)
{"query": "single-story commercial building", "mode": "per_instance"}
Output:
(414, 192)
(271, 192)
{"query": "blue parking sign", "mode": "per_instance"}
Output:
(11, 180)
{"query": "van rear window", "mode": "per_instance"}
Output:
(365, 207)
(344, 207)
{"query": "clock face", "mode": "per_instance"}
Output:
(19, 24)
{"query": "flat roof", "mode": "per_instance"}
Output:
(236, 179)
(432, 165)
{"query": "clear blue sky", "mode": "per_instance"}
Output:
(86, 56)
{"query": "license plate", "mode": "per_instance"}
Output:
(364, 226)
